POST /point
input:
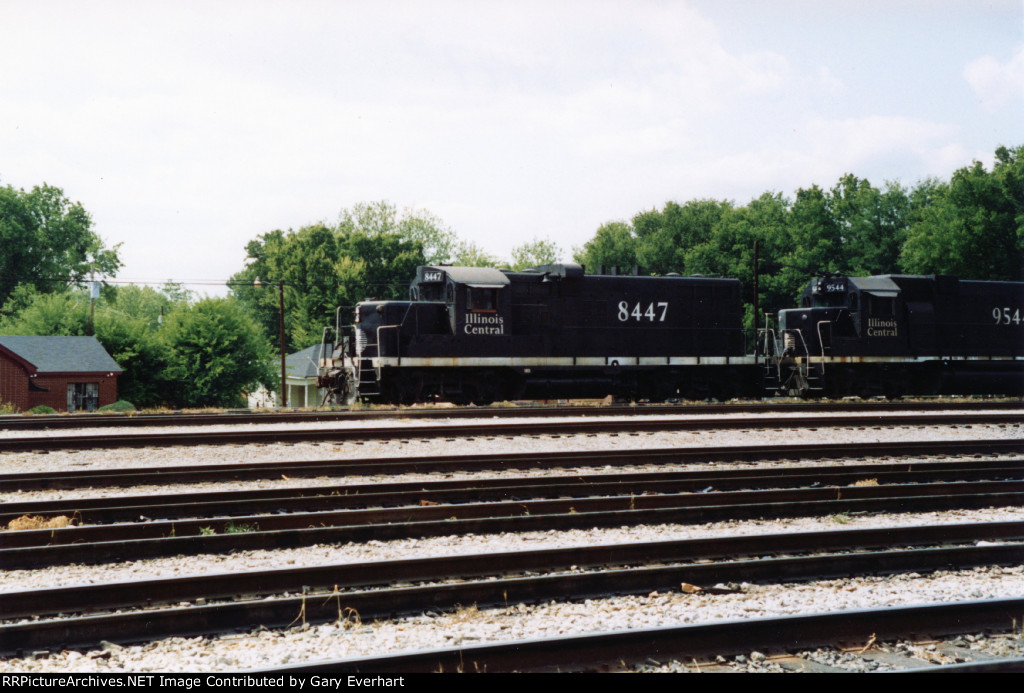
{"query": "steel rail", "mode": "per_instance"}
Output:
(1006, 665)
(604, 651)
(250, 584)
(426, 512)
(30, 548)
(54, 422)
(150, 624)
(492, 430)
(27, 481)
(92, 511)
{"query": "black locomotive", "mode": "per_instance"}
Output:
(896, 335)
(471, 334)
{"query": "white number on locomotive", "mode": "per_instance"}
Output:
(1004, 316)
(638, 313)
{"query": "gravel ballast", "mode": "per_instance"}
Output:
(470, 625)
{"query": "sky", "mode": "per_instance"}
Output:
(187, 129)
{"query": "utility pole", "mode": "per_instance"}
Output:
(284, 385)
(280, 320)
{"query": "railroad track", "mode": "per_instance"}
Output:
(42, 623)
(149, 539)
(193, 474)
(531, 410)
(695, 647)
(95, 511)
(494, 430)
(373, 590)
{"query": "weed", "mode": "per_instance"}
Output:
(840, 518)
(207, 531)
(232, 528)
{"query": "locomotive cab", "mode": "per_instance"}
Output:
(843, 316)
(476, 299)
(843, 323)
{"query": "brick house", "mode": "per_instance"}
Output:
(65, 373)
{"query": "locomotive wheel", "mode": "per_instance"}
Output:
(895, 386)
(724, 387)
(405, 389)
(469, 392)
(492, 386)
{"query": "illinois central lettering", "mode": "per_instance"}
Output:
(882, 328)
(479, 323)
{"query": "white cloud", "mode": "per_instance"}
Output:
(997, 83)
(187, 124)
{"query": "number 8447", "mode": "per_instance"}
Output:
(655, 312)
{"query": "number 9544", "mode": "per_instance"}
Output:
(1005, 316)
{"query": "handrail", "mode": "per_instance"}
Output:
(398, 342)
(822, 343)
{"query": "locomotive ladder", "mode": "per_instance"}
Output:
(768, 351)
(808, 378)
(367, 378)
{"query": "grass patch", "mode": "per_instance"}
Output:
(118, 407)
(232, 528)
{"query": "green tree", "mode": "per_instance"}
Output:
(47, 242)
(64, 314)
(873, 224)
(613, 245)
(372, 252)
(469, 254)
(729, 251)
(972, 227)
(664, 238)
(216, 352)
(316, 279)
(535, 253)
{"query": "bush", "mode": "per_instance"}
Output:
(42, 409)
(118, 406)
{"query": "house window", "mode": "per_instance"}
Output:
(83, 396)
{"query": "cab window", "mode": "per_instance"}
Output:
(482, 300)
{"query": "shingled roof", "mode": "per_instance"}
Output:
(61, 354)
(302, 364)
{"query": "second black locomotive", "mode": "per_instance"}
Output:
(897, 335)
